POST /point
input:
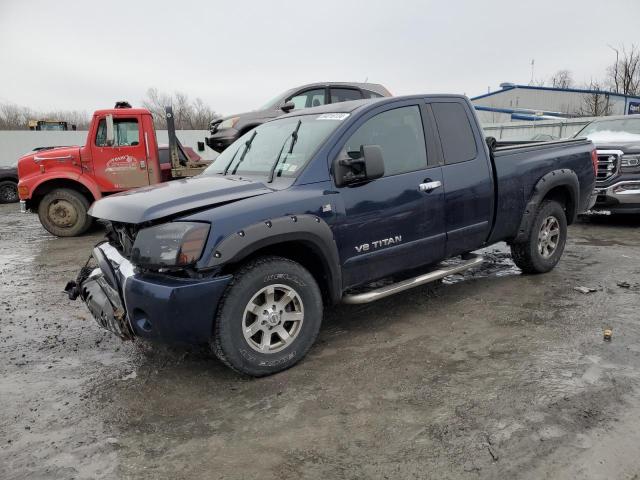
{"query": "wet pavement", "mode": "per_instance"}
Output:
(491, 374)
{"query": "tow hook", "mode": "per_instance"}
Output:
(72, 290)
(73, 287)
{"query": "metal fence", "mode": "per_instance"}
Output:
(15, 143)
(526, 130)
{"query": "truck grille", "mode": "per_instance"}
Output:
(608, 163)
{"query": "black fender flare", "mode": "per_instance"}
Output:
(309, 230)
(556, 178)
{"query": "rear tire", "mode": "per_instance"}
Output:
(268, 318)
(543, 248)
(8, 192)
(63, 212)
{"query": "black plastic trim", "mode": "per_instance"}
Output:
(307, 229)
(556, 178)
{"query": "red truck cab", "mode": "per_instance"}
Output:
(120, 153)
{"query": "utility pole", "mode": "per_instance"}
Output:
(533, 61)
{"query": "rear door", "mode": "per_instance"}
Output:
(390, 225)
(124, 164)
(468, 180)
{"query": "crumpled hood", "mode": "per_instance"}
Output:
(177, 196)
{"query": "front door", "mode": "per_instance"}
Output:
(392, 224)
(124, 164)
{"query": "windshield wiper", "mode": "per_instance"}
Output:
(247, 146)
(294, 139)
(230, 162)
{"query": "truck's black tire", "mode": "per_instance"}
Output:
(288, 279)
(8, 191)
(536, 254)
(63, 212)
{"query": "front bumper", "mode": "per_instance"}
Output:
(219, 141)
(621, 197)
(151, 306)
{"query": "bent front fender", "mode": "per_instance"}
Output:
(307, 229)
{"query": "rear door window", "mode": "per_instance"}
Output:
(345, 94)
(454, 129)
(370, 94)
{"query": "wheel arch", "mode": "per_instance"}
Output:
(88, 189)
(305, 239)
(560, 185)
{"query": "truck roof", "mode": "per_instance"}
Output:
(126, 111)
(353, 105)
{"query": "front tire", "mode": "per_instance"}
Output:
(63, 212)
(543, 248)
(268, 318)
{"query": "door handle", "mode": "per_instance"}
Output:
(429, 186)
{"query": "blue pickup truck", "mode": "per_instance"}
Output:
(310, 209)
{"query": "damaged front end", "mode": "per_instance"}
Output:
(138, 284)
(100, 285)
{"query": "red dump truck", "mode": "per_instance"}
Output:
(121, 152)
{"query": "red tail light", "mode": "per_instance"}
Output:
(594, 161)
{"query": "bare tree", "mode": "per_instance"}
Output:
(624, 73)
(561, 79)
(16, 117)
(187, 114)
(596, 103)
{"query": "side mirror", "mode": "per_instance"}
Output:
(288, 106)
(359, 167)
(110, 140)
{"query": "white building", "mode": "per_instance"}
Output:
(523, 102)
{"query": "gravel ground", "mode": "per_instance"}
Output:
(491, 374)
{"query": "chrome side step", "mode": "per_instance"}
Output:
(382, 292)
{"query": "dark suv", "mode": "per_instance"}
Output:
(226, 130)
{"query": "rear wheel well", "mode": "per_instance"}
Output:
(47, 187)
(562, 195)
(301, 252)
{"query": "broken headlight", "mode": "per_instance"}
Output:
(173, 244)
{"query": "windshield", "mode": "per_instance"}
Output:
(613, 130)
(290, 141)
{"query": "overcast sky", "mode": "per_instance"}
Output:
(236, 55)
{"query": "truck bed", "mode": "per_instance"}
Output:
(517, 168)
